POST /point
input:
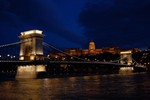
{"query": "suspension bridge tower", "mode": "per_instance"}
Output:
(31, 45)
(126, 57)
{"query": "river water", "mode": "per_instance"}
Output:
(132, 86)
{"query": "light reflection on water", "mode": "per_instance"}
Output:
(115, 86)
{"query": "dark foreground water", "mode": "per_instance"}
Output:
(98, 87)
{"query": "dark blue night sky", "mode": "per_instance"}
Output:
(73, 23)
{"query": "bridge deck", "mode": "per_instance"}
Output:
(19, 62)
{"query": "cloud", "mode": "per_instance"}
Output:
(22, 15)
(122, 23)
(43, 15)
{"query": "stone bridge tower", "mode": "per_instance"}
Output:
(126, 57)
(31, 47)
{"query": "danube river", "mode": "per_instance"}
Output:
(131, 86)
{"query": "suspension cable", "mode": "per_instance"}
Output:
(117, 60)
(15, 43)
(48, 45)
(135, 62)
(6, 45)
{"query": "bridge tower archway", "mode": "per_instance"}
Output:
(126, 57)
(31, 47)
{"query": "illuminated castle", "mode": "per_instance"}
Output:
(90, 51)
(92, 48)
(93, 51)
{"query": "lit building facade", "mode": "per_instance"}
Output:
(74, 51)
(92, 50)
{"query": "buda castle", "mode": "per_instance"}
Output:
(92, 50)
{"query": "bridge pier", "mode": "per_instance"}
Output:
(30, 71)
(126, 70)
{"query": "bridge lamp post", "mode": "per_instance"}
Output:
(95, 59)
(63, 58)
(56, 57)
(71, 58)
(48, 56)
(8, 56)
(11, 57)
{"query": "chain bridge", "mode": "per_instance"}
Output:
(31, 50)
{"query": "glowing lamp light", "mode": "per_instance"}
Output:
(40, 68)
(32, 57)
(21, 58)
